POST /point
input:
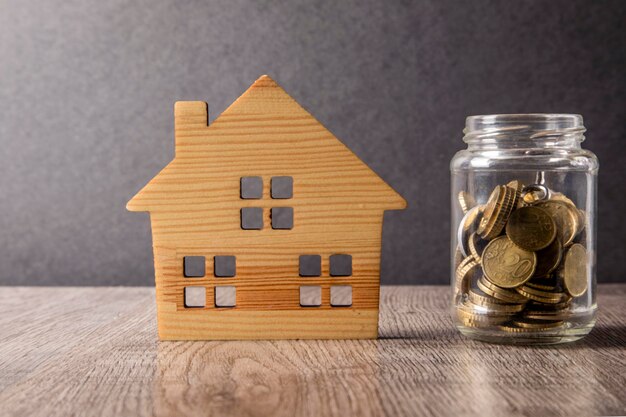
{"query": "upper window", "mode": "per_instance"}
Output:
(251, 187)
(310, 265)
(194, 266)
(224, 266)
(252, 218)
(282, 217)
(340, 265)
(282, 187)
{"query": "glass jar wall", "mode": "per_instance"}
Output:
(523, 229)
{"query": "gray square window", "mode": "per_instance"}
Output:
(252, 218)
(340, 265)
(224, 266)
(282, 217)
(251, 187)
(193, 266)
(310, 265)
(195, 296)
(225, 296)
(340, 295)
(282, 187)
(310, 296)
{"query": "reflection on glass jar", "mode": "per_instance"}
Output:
(523, 229)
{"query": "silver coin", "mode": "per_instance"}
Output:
(467, 226)
(540, 191)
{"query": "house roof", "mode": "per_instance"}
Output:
(263, 128)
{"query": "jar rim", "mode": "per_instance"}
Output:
(535, 125)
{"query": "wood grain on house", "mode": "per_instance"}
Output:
(196, 203)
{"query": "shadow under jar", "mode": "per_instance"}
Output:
(523, 230)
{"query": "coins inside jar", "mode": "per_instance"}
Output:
(521, 259)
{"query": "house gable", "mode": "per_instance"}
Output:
(264, 132)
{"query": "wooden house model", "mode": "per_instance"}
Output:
(264, 226)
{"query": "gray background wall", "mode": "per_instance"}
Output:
(87, 91)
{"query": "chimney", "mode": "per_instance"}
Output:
(189, 117)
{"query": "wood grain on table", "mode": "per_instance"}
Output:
(94, 351)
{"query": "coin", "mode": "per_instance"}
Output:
(531, 228)
(539, 306)
(547, 315)
(476, 246)
(556, 299)
(515, 329)
(582, 220)
(574, 272)
(490, 208)
(532, 194)
(564, 217)
(479, 297)
(518, 187)
(508, 296)
(539, 324)
(496, 308)
(553, 295)
(506, 264)
(497, 211)
(523, 281)
(466, 201)
(466, 269)
(548, 259)
(468, 225)
(466, 314)
(539, 286)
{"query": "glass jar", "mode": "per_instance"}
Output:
(523, 229)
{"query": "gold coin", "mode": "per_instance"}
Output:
(502, 294)
(548, 259)
(466, 201)
(484, 302)
(564, 217)
(518, 187)
(582, 220)
(542, 293)
(506, 264)
(515, 329)
(531, 228)
(490, 208)
(508, 205)
(543, 287)
(479, 297)
(470, 323)
(465, 313)
(544, 300)
(547, 315)
(580, 214)
(487, 312)
(539, 306)
(574, 272)
(466, 269)
(540, 324)
(562, 197)
(497, 211)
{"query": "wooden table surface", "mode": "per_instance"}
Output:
(93, 351)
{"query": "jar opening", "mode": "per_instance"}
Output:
(533, 126)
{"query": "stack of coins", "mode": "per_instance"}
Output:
(519, 260)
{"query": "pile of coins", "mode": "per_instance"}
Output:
(520, 259)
